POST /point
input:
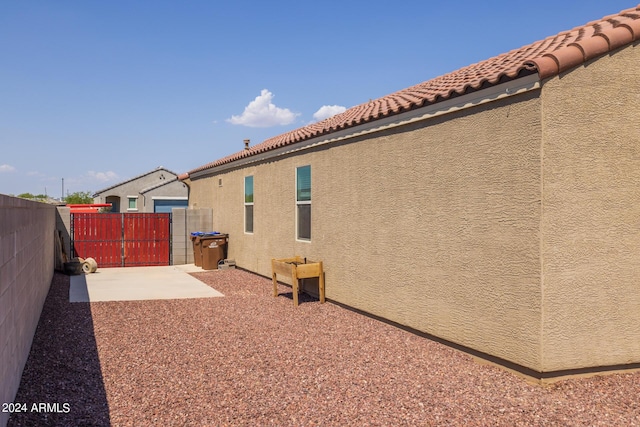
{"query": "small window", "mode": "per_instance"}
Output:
(248, 204)
(303, 203)
(133, 203)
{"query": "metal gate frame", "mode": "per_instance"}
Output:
(122, 239)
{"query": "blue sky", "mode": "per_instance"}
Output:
(97, 92)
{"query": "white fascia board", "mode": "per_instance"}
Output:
(169, 198)
(494, 93)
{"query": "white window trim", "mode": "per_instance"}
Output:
(129, 203)
(168, 198)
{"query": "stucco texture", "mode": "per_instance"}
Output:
(510, 228)
(434, 226)
(591, 214)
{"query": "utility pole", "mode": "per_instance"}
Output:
(62, 196)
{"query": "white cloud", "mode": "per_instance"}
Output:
(261, 112)
(327, 111)
(7, 168)
(103, 176)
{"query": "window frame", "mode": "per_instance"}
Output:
(133, 199)
(248, 204)
(304, 202)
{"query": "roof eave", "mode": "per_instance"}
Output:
(500, 91)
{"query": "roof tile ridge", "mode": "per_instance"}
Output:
(408, 100)
(632, 23)
(605, 38)
(392, 106)
(548, 57)
(381, 109)
(618, 35)
(389, 105)
(366, 114)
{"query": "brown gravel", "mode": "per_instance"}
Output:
(251, 359)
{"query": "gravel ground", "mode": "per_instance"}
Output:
(254, 360)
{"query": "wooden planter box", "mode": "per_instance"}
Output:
(297, 268)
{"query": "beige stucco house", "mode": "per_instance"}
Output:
(496, 208)
(158, 190)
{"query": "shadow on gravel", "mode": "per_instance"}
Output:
(62, 382)
(302, 297)
(310, 284)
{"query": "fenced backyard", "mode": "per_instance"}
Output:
(246, 358)
(251, 359)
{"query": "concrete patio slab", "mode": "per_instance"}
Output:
(139, 283)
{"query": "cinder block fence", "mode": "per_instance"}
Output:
(27, 231)
(27, 262)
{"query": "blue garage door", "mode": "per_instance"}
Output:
(165, 206)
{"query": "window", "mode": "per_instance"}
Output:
(303, 203)
(133, 203)
(248, 204)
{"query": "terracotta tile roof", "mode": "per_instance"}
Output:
(547, 57)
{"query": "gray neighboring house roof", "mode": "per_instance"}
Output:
(104, 190)
(146, 193)
(161, 184)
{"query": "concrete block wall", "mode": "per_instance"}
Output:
(185, 222)
(63, 225)
(27, 232)
(179, 248)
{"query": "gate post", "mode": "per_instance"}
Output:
(122, 242)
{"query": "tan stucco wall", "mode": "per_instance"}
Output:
(510, 228)
(591, 219)
(434, 225)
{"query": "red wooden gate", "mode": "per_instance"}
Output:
(122, 239)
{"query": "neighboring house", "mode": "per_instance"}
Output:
(496, 207)
(156, 191)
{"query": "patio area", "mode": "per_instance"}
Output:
(248, 358)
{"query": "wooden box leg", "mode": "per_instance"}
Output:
(321, 283)
(275, 285)
(273, 276)
(294, 284)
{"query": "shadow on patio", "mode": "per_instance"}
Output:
(62, 382)
(251, 359)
